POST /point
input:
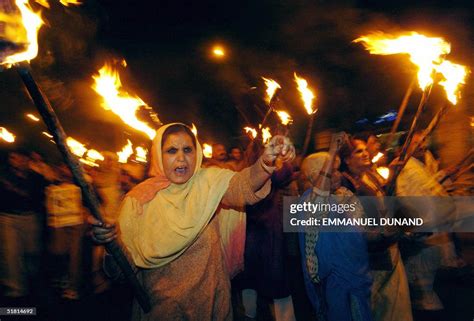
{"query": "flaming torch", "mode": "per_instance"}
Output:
(251, 131)
(194, 130)
(125, 153)
(141, 154)
(31, 22)
(307, 96)
(207, 150)
(454, 76)
(285, 118)
(108, 85)
(6, 135)
(272, 87)
(266, 135)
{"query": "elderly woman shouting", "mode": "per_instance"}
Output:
(166, 224)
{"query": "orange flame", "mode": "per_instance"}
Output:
(76, 147)
(377, 157)
(218, 51)
(6, 135)
(125, 153)
(251, 131)
(194, 130)
(93, 155)
(31, 22)
(454, 76)
(424, 51)
(266, 135)
(272, 87)
(32, 117)
(70, 2)
(108, 85)
(384, 172)
(306, 94)
(141, 154)
(207, 150)
(88, 162)
(285, 118)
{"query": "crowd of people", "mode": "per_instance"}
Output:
(206, 239)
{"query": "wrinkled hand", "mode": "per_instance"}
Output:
(102, 233)
(279, 147)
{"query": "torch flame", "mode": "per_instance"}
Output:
(424, 51)
(141, 154)
(72, 2)
(454, 76)
(266, 135)
(93, 155)
(76, 147)
(194, 130)
(125, 153)
(306, 94)
(108, 85)
(88, 162)
(207, 150)
(284, 117)
(31, 22)
(384, 172)
(376, 158)
(6, 135)
(32, 117)
(251, 131)
(272, 87)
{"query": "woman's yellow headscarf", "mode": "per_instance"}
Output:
(159, 220)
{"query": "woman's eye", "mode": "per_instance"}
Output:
(172, 151)
(188, 150)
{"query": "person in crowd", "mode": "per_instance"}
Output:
(166, 225)
(236, 159)
(265, 274)
(66, 222)
(390, 294)
(20, 246)
(335, 263)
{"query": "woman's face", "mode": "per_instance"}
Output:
(179, 157)
(360, 158)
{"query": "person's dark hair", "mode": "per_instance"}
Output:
(235, 147)
(347, 149)
(178, 128)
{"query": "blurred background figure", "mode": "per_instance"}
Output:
(20, 210)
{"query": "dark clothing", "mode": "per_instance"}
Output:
(265, 249)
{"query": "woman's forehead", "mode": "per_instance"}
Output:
(179, 138)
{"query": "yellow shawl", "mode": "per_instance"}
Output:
(160, 230)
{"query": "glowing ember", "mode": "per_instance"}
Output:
(70, 2)
(384, 172)
(194, 130)
(108, 85)
(377, 157)
(93, 155)
(251, 131)
(125, 153)
(306, 94)
(454, 76)
(207, 150)
(272, 87)
(141, 154)
(284, 117)
(32, 117)
(31, 22)
(6, 135)
(424, 51)
(266, 135)
(47, 134)
(76, 147)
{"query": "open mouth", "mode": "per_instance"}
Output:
(181, 170)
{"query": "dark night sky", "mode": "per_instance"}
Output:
(166, 45)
